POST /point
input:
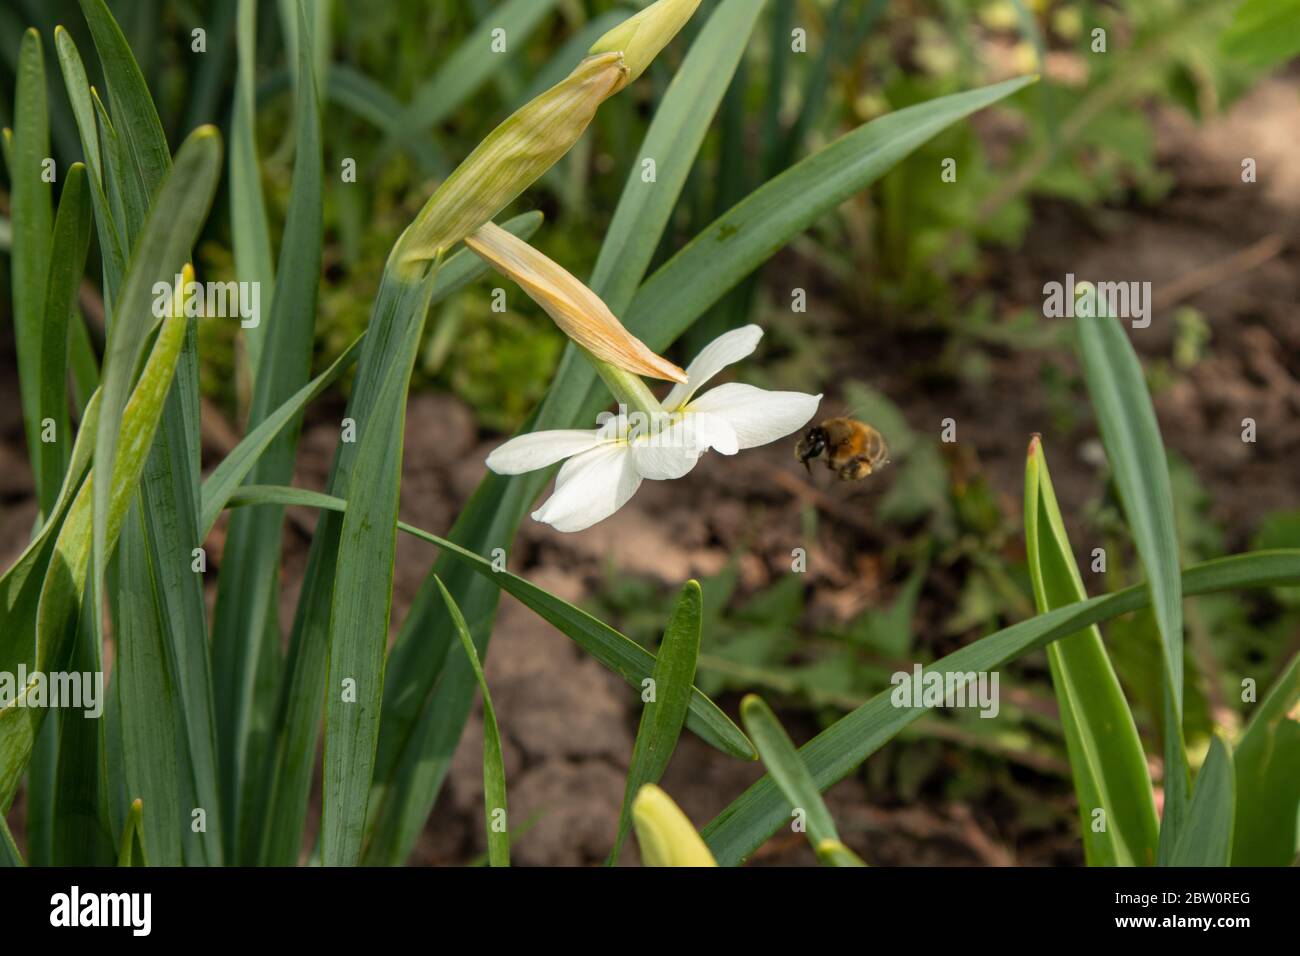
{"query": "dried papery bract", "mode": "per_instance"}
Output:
(510, 159)
(640, 38)
(578, 311)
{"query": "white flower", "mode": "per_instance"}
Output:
(606, 465)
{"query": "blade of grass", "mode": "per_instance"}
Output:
(834, 753)
(1206, 840)
(1267, 763)
(1131, 436)
(661, 719)
(494, 768)
(423, 727)
(1106, 758)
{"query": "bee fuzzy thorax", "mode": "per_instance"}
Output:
(850, 448)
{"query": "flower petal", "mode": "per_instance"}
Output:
(590, 488)
(664, 462)
(757, 415)
(713, 358)
(540, 449)
(674, 451)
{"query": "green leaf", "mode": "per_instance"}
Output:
(250, 236)
(245, 631)
(129, 98)
(783, 762)
(1106, 758)
(9, 855)
(835, 853)
(1131, 436)
(1267, 762)
(837, 751)
(1265, 32)
(67, 261)
(779, 755)
(84, 110)
(673, 683)
(422, 728)
(367, 472)
(1206, 840)
(32, 228)
(371, 102)
(152, 714)
(81, 832)
(231, 471)
(131, 846)
(620, 654)
(473, 62)
(678, 127)
(170, 231)
(494, 767)
(299, 700)
(40, 596)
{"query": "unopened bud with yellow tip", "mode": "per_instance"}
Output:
(510, 159)
(578, 311)
(666, 836)
(640, 38)
(537, 135)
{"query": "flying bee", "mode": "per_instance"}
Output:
(853, 449)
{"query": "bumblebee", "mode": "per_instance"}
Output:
(853, 449)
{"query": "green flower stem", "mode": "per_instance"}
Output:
(628, 389)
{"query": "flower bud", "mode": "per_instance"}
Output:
(640, 38)
(578, 311)
(666, 836)
(510, 159)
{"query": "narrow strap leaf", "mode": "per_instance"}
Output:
(1106, 757)
(494, 768)
(670, 688)
(1206, 840)
(834, 753)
